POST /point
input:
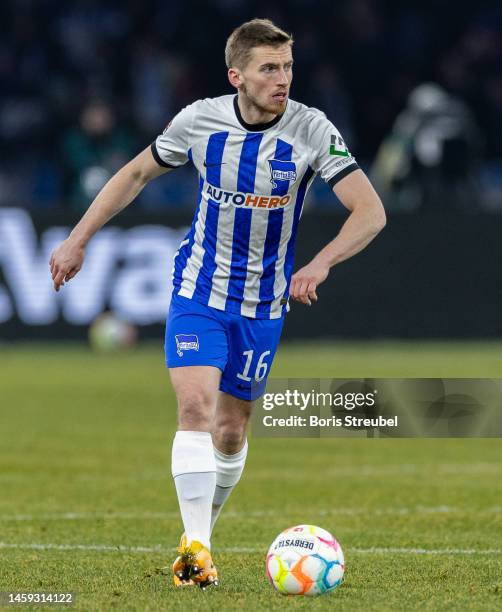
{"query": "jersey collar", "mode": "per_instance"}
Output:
(255, 127)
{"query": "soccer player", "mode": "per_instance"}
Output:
(257, 153)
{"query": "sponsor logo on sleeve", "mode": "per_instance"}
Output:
(346, 161)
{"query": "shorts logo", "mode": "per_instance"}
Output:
(186, 342)
(281, 171)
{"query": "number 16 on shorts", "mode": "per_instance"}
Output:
(260, 370)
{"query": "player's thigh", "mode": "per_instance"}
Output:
(196, 383)
(252, 346)
(196, 350)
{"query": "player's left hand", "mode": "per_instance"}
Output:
(305, 282)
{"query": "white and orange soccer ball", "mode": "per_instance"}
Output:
(305, 560)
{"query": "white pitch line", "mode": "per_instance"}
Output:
(88, 516)
(239, 549)
(91, 516)
(92, 547)
(452, 469)
(428, 551)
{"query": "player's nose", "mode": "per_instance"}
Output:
(282, 78)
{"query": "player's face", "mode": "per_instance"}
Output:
(267, 77)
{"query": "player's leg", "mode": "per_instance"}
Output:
(230, 447)
(193, 461)
(196, 353)
(252, 347)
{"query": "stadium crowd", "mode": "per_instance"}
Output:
(85, 84)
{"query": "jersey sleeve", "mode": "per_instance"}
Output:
(332, 159)
(170, 149)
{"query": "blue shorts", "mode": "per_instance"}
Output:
(241, 347)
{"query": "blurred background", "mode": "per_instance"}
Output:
(414, 87)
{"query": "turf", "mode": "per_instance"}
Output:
(84, 462)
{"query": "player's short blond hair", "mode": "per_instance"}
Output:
(254, 33)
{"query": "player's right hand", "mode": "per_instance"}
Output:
(66, 260)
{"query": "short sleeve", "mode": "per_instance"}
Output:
(332, 159)
(170, 149)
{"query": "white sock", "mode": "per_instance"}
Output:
(194, 472)
(228, 472)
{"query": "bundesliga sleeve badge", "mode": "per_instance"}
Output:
(338, 147)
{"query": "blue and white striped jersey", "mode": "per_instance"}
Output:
(238, 255)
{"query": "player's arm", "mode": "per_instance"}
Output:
(118, 192)
(366, 220)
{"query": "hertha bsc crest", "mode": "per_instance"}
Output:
(281, 171)
(186, 342)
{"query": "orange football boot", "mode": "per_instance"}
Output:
(194, 565)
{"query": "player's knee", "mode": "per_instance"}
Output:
(229, 438)
(195, 408)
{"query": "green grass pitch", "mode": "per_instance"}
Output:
(87, 503)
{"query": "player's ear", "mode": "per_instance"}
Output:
(234, 77)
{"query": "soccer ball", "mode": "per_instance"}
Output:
(305, 560)
(109, 333)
